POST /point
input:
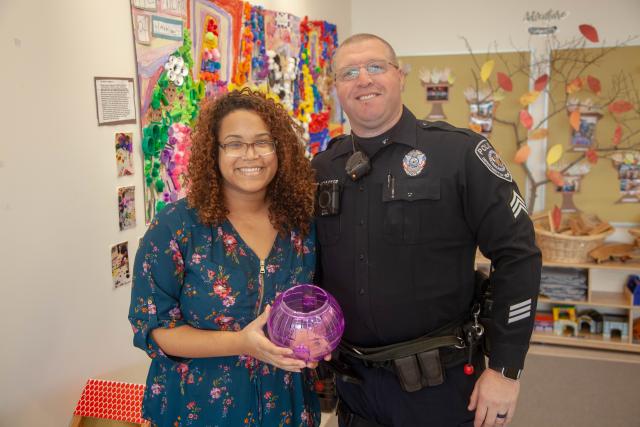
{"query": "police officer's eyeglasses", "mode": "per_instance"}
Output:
(240, 149)
(375, 67)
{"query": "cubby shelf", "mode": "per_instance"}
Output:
(604, 300)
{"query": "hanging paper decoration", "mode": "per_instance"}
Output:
(504, 82)
(525, 119)
(555, 177)
(554, 154)
(583, 118)
(529, 98)
(617, 135)
(627, 165)
(574, 120)
(541, 82)
(620, 106)
(574, 86)
(539, 133)
(486, 69)
(522, 154)
(589, 32)
(592, 156)
(594, 85)
(482, 105)
(437, 84)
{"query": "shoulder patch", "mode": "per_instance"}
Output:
(490, 158)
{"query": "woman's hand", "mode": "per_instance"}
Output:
(257, 345)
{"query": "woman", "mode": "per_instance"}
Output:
(209, 266)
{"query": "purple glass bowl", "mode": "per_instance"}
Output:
(308, 320)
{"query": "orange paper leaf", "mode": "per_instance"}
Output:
(540, 133)
(525, 119)
(574, 119)
(574, 86)
(541, 82)
(529, 98)
(505, 82)
(556, 216)
(620, 106)
(522, 154)
(475, 127)
(617, 135)
(555, 177)
(592, 156)
(594, 84)
(589, 32)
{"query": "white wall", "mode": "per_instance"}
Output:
(63, 321)
(419, 27)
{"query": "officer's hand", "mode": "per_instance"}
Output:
(256, 344)
(493, 395)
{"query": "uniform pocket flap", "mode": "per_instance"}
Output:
(410, 189)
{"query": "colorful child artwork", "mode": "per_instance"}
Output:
(481, 110)
(124, 153)
(189, 50)
(437, 84)
(628, 166)
(126, 207)
(120, 273)
(583, 138)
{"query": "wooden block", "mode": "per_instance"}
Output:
(600, 228)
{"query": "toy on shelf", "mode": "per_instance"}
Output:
(110, 400)
(636, 330)
(613, 324)
(633, 289)
(564, 320)
(543, 322)
(590, 321)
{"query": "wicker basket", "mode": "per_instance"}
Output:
(565, 248)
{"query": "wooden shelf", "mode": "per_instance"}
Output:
(609, 265)
(598, 299)
(585, 341)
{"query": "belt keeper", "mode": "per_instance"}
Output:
(432, 373)
(408, 373)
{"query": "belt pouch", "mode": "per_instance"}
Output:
(432, 373)
(408, 373)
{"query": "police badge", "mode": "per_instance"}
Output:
(413, 162)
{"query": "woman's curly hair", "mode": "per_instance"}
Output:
(291, 192)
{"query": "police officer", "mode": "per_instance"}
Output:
(403, 205)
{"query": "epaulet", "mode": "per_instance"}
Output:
(440, 125)
(335, 139)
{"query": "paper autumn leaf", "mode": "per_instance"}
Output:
(620, 106)
(592, 156)
(556, 218)
(554, 154)
(525, 119)
(486, 70)
(574, 86)
(522, 154)
(594, 85)
(529, 98)
(574, 120)
(541, 82)
(475, 127)
(540, 133)
(617, 135)
(498, 95)
(589, 32)
(505, 82)
(555, 177)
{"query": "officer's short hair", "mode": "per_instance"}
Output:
(360, 37)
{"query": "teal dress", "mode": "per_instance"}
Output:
(186, 273)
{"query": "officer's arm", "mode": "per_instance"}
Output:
(495, 211)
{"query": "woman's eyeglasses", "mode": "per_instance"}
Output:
(240, 149)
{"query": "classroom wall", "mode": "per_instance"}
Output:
(64, 322)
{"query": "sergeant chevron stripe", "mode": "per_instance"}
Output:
(517, 205)
(519, 311)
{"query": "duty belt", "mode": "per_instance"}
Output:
(420, 362)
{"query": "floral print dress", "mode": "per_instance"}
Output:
(207, 277)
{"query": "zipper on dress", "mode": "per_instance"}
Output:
(261, 286)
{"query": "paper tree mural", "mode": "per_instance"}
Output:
(436, 84)
(581, 99)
